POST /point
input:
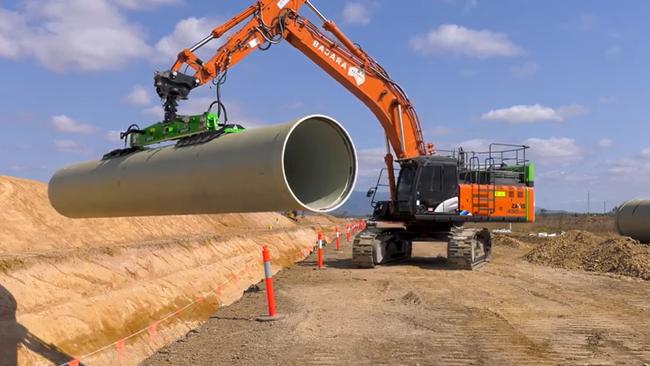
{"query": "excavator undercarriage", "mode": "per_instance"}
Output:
(467, 248)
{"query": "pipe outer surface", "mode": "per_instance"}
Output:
(633, 220)
(307, 164)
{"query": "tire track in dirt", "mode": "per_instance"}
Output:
(420, 312)
(572, 323)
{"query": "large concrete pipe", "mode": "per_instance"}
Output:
(633, 220)
(308, 164)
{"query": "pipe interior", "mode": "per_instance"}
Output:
(320, 164)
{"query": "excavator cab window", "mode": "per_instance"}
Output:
(405, 188)
(427, 183)
(437, 182)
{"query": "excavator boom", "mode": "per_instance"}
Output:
(270, 21)
(435, 194)
(469, 179)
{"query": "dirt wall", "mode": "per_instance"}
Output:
(71, 287)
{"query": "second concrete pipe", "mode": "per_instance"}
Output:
(308, 164)
(633, 220)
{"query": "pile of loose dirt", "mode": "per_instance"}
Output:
(590, 252)
(508, 241)
(621, 255)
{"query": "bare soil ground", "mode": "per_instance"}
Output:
(509, 312)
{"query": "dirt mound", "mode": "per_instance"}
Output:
(508, 241)
(565, 251)
(70, 287)
(623, 255)
(587, 251)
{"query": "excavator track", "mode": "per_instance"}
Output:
(376, 246)
(362, 249)
(468, 248)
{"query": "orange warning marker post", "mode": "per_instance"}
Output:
(320, 250)
(268, 280)
(337, 240)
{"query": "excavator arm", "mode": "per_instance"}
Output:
(269, 22)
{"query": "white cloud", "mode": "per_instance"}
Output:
(64, 123)
(534, 113)
(554, 150)
(356, 13)
(458, 40)
(69, 146)
(145, 4)
(605, 142)
(112, 136)
(139, 96)
(645, 152)
(525, 70)
(11, 25)
(523, 114)
(65, 35)
(187, 32)
(572, 110)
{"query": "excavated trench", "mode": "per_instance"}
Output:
(71, 287)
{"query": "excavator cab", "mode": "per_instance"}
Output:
(496, 185)
(425, 183)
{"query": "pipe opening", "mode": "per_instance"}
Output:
(319, 163)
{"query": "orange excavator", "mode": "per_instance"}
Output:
(436, 192)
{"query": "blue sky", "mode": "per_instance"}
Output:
(569, 78)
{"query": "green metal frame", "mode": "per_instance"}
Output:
(175, 129)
